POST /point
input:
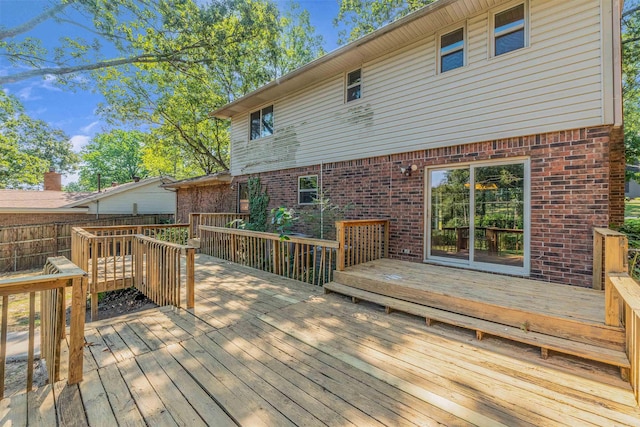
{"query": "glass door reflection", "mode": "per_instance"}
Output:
(450, 210)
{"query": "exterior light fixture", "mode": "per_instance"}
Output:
(406, 171)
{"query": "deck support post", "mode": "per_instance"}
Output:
(479, 335)
(94, 307)
(388, 310)
(355, 300)
(76, 338)
(544, 353)
(428, 321)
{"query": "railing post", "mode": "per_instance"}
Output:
(76, 338)
(615, 261)
(190, 277)
(386, 239)
(597, 260)
(341, 246)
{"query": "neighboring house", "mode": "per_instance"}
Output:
(147, 196)
(209, 193)
(488, 131)
(632, 187)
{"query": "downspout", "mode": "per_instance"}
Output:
(321, 203)
(97, 209)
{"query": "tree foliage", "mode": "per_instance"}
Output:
(29, 147)
(175, 100)
(116, 156)
(357, 18)
(133, 31)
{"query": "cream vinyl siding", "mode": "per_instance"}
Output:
(151, 199)
(553, 84)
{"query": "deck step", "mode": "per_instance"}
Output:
(545, 342)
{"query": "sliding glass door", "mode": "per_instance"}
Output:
(478, 216)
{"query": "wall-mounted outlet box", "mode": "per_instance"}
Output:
(406, 251)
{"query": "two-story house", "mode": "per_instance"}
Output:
(488, 131)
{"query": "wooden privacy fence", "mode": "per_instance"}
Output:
(28, 246)
(59, 273)
(299, 258)
(622, 295)
(361, 241)
(116, 258)
(212, 220)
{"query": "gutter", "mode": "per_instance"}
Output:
(43, 210)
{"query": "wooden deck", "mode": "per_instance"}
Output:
(259, 349)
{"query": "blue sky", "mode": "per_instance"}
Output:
(74, 111)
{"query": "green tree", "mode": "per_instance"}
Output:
(135, 29)
(176, 99)
(116, 156)
(357, 18)
(29, 147)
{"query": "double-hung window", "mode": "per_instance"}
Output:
(452, 50)
(262, 123)
(354, 85)
(509, 27)
(307, 189)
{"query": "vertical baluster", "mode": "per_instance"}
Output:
(32, 324)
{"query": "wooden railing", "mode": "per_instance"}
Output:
(159, 276)
(117, 260)
(212, 220)
(24, 247)
(58, 274)
(174, 233)
(361, 241)
(298, 258)
(621, 294)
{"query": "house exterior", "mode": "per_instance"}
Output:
(147, 196)
(488, 131)
(208, 193)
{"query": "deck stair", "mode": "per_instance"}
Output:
(463, 299)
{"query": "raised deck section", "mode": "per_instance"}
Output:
(533, 307)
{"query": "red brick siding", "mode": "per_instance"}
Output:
(616, 176)
(205, 198)
(572, 191)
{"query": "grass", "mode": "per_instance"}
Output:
(632, 208)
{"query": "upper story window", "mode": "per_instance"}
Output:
(509, 30)
(452, 50)
(354, 85)
(307, 189)
(262, 123)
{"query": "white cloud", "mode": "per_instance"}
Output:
(47, 83)
(90, 126)
(26, 94)
(79, 141)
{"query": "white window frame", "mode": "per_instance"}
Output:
(347, 86)
(261, 110)
(492, 30)
(525, 270)
(463, 48)
(300, 190)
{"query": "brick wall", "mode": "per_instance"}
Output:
(205, 198)
(573, 189)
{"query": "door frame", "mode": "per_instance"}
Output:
(470, 263)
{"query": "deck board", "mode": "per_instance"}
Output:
(261, 350)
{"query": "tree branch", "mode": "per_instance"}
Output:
(47, 14)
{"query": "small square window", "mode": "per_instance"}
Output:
(509, 30)
(261, 123)
(307, 189)
(354, 85)
(452, 50)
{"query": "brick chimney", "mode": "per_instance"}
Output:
(52, 181)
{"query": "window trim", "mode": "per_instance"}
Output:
(347, 86)
(492, 27)
(239, 207)
(464, 47)
(525, 270)
(260, 110)
(300, 190)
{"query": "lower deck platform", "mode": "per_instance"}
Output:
(262, 350)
